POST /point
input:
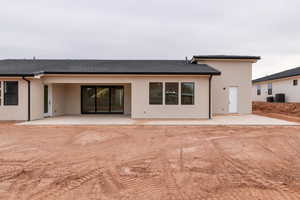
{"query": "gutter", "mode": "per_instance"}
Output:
(29, 94)
(209, 97)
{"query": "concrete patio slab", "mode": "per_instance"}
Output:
(126, 120)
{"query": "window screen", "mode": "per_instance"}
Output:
(155, 93)
(187, 93)
(11, 91)
(171, 93)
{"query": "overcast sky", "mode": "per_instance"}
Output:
(153, 29)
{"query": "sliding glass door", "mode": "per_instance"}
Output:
(102, 99)
(117, 100)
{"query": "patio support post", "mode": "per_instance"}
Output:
(28, 86)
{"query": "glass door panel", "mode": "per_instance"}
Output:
(46, 99)
(103, 99)
(117, 98)
(88, 100)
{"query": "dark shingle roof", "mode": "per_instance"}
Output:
(34, 67)
(284, 74)
(225, 57)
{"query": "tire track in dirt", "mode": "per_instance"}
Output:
(173, 191)
(249, 193)
(254, 176)
(59, 188)
(141, 178)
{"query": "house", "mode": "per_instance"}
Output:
(205, 85)
(286, 82)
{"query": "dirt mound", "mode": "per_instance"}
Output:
(282, 108)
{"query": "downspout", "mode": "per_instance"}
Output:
(209, 98)
(28, 85)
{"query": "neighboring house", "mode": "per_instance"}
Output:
(206, 85)
(286, 82)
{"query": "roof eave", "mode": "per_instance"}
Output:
(133, 73)
(16, 75)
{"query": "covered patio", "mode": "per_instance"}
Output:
(127, 120)
(72, 99)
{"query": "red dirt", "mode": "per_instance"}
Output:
(285, 111)
(149, 162)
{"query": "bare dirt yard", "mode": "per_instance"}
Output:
(285, 111)
(149, 162)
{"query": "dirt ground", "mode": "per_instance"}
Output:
(285, 111)
(144, 163)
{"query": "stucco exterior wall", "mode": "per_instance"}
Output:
(66, 97)
(58, 99)
(234, 74)
(139, 97)
(37, 99)
(142, 109)
(292, 93)
(18, 112)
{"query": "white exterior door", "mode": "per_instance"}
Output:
(233, 99)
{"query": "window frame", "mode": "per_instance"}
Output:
(295, 82)
(270, 89)
(162, 93)
(5, 94)
(193, 93)
(165, 93)
(258, 90)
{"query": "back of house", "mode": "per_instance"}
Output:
(198, 88)
(284, 84)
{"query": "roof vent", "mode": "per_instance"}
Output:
(186, 60)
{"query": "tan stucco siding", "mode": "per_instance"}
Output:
(234, 74)
(58, 99)
(292, 93)
(37, 99)
(72, 97)
(142, 109)
(18, 112)
(127, 99)
(66, 96)
(136, 99)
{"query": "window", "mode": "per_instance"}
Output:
(258, 90)
(11, 91)
(269, 88)
(171, 94)
(187, 93)
(295, 82)
(155, 93)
